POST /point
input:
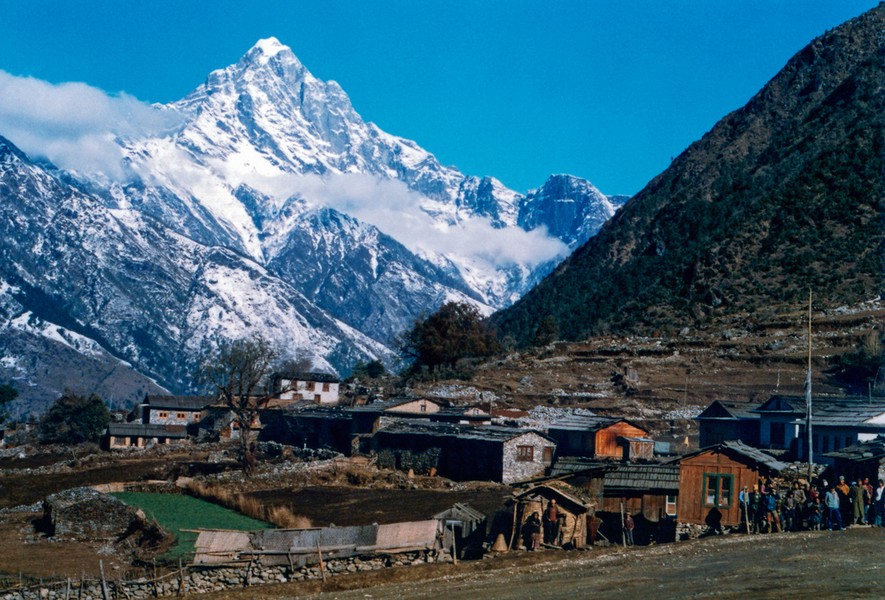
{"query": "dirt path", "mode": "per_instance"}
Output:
(824, 565)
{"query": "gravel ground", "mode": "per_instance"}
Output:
(841, 565)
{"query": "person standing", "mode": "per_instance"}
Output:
(844, 499)
(833, 509)
(857, 506)
(879, 504)
(629, 525)
(551, 523)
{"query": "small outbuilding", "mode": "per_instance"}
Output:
(571, 508)
(601, 438)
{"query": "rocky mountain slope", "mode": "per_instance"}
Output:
(103, 291)
(781, 197)
(267, 205)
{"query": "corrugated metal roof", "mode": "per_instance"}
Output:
(461, 512)
(582, 422)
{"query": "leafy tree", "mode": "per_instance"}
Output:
(547, 331)
(7, 395)
(73, 419)
(455, 332)
(369, 370)
(239, 373)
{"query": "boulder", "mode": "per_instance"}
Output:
(86, 513)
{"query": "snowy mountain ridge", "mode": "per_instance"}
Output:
(265, 204)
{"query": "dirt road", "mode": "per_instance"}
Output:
(841, 565)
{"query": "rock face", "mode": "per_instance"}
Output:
(782, 196)
(84, 513)
(571, 209)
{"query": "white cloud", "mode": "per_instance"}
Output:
(396, 210)
(75, 125)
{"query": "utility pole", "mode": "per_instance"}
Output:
(808, 395)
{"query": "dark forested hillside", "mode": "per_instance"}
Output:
(781, 196)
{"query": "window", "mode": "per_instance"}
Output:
(548, 454)
(325, 387)
(180, 415)
(718, 490)
(525, 453)
(317, 398)
(670, 506)
(422, 406)
(163, 414)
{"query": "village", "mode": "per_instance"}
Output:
(545, 479)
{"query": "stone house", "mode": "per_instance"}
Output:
(172, 410)
(139, 435)
(463, 452)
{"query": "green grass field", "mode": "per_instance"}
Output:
(175, 512)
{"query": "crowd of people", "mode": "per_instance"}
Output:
(770, 507)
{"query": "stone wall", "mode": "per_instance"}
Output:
(205, 579)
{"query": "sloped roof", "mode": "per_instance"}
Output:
(146, 430)
(393, 403)
(728, 411)
(547, 491)
(737, 448)
(567, 465)
(462, 512)
(588, 423)
(643, 477)
(180, 402)
(307, 376)
(862, 452)
(490, 433)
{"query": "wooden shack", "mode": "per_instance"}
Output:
(601, 437)
(572, 508)
(711, 478)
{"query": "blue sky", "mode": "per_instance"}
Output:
(609, 91)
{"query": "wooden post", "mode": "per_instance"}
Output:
(513, 529)
(82, 583)
(181, 584)
(747, 511)
(156, 591)
(68, 590)
(623, 526)
(322, 566)
(104, 583)
(454, 547)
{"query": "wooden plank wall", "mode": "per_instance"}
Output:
(690, 504)
(607, 439)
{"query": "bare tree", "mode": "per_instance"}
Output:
(239, 373)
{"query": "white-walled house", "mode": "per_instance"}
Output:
(321, 388)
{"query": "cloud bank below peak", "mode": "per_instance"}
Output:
(393, 208)
(75, 125)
